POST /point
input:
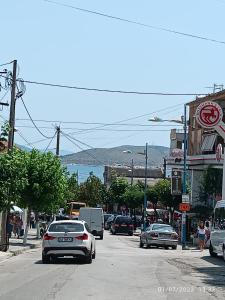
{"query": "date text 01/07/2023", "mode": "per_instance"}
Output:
(185, 289)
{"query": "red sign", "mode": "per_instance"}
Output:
(209, 114)
(184, 206)
(219, 151)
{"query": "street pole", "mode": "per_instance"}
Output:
(57, 140)
(12, 108)
(183, 235)
(132, 171)
(145, 191)
(164, 168)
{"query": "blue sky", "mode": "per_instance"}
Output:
(61, 45)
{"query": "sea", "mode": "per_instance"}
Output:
(84, 171)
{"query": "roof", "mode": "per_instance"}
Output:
(209, 97)
(67, 221)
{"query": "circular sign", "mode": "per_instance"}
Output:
(219, 151)
(209, 114)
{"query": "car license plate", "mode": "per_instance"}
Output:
(123, 225)
(65, 239)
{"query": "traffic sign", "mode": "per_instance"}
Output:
(219, 151)
(184, 207)
(209, 114)
(185, 198)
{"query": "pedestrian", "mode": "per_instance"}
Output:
(201, 235)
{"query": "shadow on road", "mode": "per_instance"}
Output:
(62, 261)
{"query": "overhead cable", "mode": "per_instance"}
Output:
(137, 23)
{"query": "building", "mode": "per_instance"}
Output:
(134, 174)
(202, 145)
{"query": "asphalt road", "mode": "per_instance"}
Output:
(121, 271)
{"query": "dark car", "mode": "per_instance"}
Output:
(108, 223)
(106, 217)
(122, 224)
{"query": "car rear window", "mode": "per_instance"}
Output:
(126, 220)
(66, 227)
(162, 228)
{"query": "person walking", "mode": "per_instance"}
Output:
(201, 235)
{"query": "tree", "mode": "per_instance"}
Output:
(4, 131)
(92, 191)
(133, 197)
(12, 182)
(117, 190)
(152, 196)
(73, 187)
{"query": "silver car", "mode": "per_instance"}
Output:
(217, 242)
(159, 235)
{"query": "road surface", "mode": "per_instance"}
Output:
(121, 271)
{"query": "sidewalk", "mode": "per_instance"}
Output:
(16, 246)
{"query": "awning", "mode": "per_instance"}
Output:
(208, 142)
(15, 209)
(220, 204)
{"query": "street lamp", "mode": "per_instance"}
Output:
(184, 186)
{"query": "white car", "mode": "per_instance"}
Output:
(68, 238)
(217, 242)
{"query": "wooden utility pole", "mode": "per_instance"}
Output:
(132, 172)
(58, 140)
(12, 108)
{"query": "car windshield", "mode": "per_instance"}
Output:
(126, 220)
(162, 228)
(106, 217)
(66, 227)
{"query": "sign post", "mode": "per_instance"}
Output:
(209, 115)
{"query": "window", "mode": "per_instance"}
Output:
(208, 142)
(66, 227)
(87, 227)
(162, 227)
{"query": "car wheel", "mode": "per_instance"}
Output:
(148, 246)
(88, 258)
(174, 247)
(101, 237)
(211, 252)
(45, 259)
(94, 254)
(130, 233)
(223, 252)
(166, 247)
(141, 245)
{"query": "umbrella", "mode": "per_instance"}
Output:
(16, 209)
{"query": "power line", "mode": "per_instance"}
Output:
(111, 91)
(47, 137)
(23, 138)
(90, 123)
(136, 22)
(5, 64)
(50, 142)
(86, 150)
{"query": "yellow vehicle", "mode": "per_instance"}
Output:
(74, 208)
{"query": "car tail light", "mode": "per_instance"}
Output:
(82, 237)
(48, 237)
(154, 235)
(174, 236)
(131, 225)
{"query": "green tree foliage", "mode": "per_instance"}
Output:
(117, 190)
(46, 182)
(212, 181)
(73, 188)
(152, 195)
(133, 196)
(4, 132)
(92, 191)
(13, 178)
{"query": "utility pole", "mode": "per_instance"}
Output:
(145, 191)
(12, 108)
(132, 171)
(164, 168)
(57, 140)
(184, 178)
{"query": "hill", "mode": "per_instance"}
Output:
(121, 155)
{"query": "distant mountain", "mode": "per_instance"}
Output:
(121, 155)
(61, 152)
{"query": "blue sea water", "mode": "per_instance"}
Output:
(85, 170)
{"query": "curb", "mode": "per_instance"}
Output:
(24, 249)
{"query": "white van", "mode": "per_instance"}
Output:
(94, 218)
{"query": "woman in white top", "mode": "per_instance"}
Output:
(201, 235)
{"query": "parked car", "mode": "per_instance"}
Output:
(109, 222)
(217, 242)
(106, 217)
(68, 238)
(122, 224)
(93, 216)
(159, 235)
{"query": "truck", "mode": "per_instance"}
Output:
(94, 218)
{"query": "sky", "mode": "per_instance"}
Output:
(61, 45)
